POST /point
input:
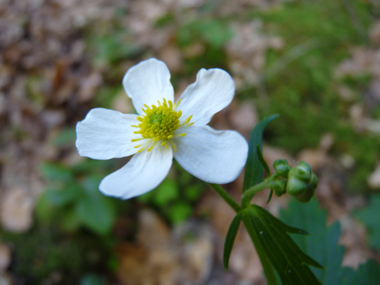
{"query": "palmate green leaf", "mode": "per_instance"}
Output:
(62, 196)
(271, 240)
(370, 217)
(322, 246)
(230, 239)
(367, 273)
(93, 279)
(254, 171)
(95, 210)
(55, 172)
(179, 212)
(322, 242)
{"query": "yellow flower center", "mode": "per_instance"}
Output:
(158, 124)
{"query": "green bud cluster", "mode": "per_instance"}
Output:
(282, 167)
(301, 181)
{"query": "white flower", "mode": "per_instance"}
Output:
(163, 129)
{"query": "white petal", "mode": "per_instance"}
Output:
(144, 172)
(210, 155)
(148, 82)
(106, 134)
(212, 91)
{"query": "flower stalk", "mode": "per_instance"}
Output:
(250, 192)
(226, 197)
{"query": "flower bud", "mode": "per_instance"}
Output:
(279, 187)
(282, 167)
(302, 182)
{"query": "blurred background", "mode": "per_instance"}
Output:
(315, 63)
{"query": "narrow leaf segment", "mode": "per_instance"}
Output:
(230, 239)
(265, 165)
(270, 235)
(254, 171)
(261, 159)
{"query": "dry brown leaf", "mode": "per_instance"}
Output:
(5, 257)
(374, 178)
(16, 210)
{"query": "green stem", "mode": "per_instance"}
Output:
(250, 192)
(226, 197)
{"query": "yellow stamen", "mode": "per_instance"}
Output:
(149, 149)
(158, 124)
(173, 146)
(188, 119)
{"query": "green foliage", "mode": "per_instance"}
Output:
(254, 170)
(215, 32)
(288, 257)
(94, 210)
(322, 246)
(92, 279)
(105, 96)
(277, 251)
(112, 47)
(370, 217)
(367, 273)
(179, 212)
(230, 239)
(56, 172)
(364, 149)
(175, 198)
(299, 78)
(165, 20)
(212, 34)
(322, 242)
(64, 138)
(210, 58)
(270, 236)
(44, 251)
(76, 201)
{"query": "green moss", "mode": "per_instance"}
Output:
(299, 79)
(44, 251)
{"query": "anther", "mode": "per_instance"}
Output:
(188, 119)
(173, 146)
(149, 149)
(140, 150)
